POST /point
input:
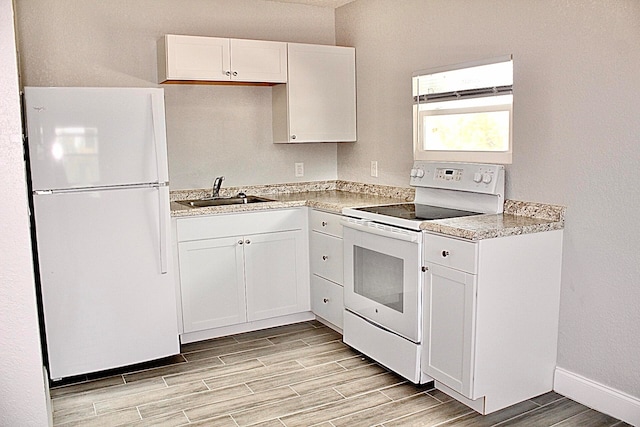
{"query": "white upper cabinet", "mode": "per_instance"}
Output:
(193, 58)
(318, 103)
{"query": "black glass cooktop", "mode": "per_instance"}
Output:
(414, 211)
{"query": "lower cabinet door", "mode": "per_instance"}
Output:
(449, 327)
(327, 300)
(212, 283)
(274, 274)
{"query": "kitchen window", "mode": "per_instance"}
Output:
(464, 112)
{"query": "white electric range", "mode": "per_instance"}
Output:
(383, 258)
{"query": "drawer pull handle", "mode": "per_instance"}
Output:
(325, 300)
(325, 257)
(248, 242)
(325, 223)
(240, 242)
(445, 254)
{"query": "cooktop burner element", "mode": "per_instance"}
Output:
(413, 211)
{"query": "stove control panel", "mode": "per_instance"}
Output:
(472, 177)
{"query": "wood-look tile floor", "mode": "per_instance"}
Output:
(294, 375)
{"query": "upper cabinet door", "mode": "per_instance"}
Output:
(191, 58)
(321, 94)
(258, 61)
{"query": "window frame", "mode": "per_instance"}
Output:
(420, 153)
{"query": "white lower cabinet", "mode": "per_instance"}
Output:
(257, 269)
(212, 283)
(327, 266)
(326, 300)
(491, 317)
(272, 274)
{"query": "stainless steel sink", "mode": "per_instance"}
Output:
(223, 201)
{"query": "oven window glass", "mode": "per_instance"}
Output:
(379, 277)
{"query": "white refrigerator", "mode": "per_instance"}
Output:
(98, 164)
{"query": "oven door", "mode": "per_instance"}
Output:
(382, 276)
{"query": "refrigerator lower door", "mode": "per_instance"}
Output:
(107, 286)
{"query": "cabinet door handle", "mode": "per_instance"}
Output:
(235, 73)
(325, 300)
(324, 223)
(228, 73)
(325, 257)
(445, 254)
(240, 242)
(248, 242)
(293, 137)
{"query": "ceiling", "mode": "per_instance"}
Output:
(320, 3)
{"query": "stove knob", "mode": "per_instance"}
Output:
(486, 178)
(419, 173)
(477, 177)
(414, 173)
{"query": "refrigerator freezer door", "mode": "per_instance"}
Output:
(95, 137)
(106, 301)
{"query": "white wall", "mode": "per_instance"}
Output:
(211, 130)
(576, 138)
(23, 399)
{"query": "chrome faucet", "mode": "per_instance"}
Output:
(215, 189)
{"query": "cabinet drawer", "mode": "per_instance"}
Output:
(325, 222)
(326, 300)
(326, 254)
(451, 252)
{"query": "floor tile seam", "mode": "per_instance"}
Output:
(384, 423)
(527, 412)
(261, 378)
(414, 396)
(339, 385)
(184, 409)
(439, 400)
(86, 382)
(309, 408)
(572, 416)
(352, 357)
(470, 411)
(258, 357)
(228, 354)
(368, 409)
(87, 393)
(209, 378)
(325, 342)
(141, 392)
(346, 399)
(271, 336)
(326, 352)
(300, 382)
(304, 339)
(151, 369)
(74, 422)
(378, 389)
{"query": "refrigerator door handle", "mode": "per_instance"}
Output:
(162, 223)
(157, 124)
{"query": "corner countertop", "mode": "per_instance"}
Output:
(332, 196)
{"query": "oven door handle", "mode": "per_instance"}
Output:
(413, 237)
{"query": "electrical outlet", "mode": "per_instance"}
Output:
(374, 168)
(299, 169)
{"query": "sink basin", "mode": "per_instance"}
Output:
(223, 201)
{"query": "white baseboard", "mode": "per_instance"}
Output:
(597, 396)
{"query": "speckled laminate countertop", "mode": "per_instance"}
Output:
(332, 196)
